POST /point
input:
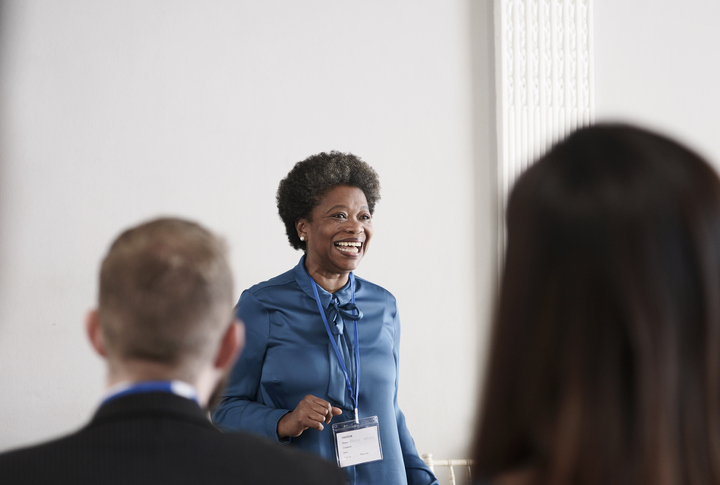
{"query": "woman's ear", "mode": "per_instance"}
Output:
(301, 228)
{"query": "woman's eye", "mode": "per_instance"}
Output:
(365, 217)
(339, 216)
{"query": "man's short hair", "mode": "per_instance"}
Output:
(166, 293)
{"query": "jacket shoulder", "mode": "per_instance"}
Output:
(280, 463)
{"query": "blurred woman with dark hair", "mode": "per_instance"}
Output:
(604, 365)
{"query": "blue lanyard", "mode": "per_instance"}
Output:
(353, 395)
(172, 387)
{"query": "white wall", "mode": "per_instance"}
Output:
(656, 64)
(115, 112)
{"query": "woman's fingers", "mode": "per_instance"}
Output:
(324, 408)
(333, 412)
(310, 413)
(315, 410)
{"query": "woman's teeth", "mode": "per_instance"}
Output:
(349, 247)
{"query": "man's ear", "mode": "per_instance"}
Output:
(231, 345)
(95, 332)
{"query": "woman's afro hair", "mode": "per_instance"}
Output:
(308, 182)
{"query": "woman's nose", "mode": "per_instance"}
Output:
(355, 227)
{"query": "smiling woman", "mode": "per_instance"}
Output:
(314, 330)
(337, 233)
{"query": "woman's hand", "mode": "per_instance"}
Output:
(311, 412)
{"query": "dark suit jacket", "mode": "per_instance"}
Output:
(160, 438)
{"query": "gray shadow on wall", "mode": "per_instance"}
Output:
(4, 47)
(4, 122)
(3, 95)
(485, 161)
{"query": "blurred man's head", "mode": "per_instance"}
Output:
(165, 301)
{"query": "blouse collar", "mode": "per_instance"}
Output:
(302, 277)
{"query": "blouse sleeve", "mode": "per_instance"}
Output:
(418, 473)
(239, 409)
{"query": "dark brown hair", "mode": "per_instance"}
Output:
(166, 293)
(604, 363)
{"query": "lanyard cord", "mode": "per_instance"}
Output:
(353, 395)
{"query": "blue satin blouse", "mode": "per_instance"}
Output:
(288, 355)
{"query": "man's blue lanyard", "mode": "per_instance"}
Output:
(353, 395)
(173, 387)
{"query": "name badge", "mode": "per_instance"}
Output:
(357, 442)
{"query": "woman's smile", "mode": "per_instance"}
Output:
(349, 247)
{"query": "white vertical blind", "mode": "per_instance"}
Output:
(544, 78)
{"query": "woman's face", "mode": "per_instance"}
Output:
(338, 231)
